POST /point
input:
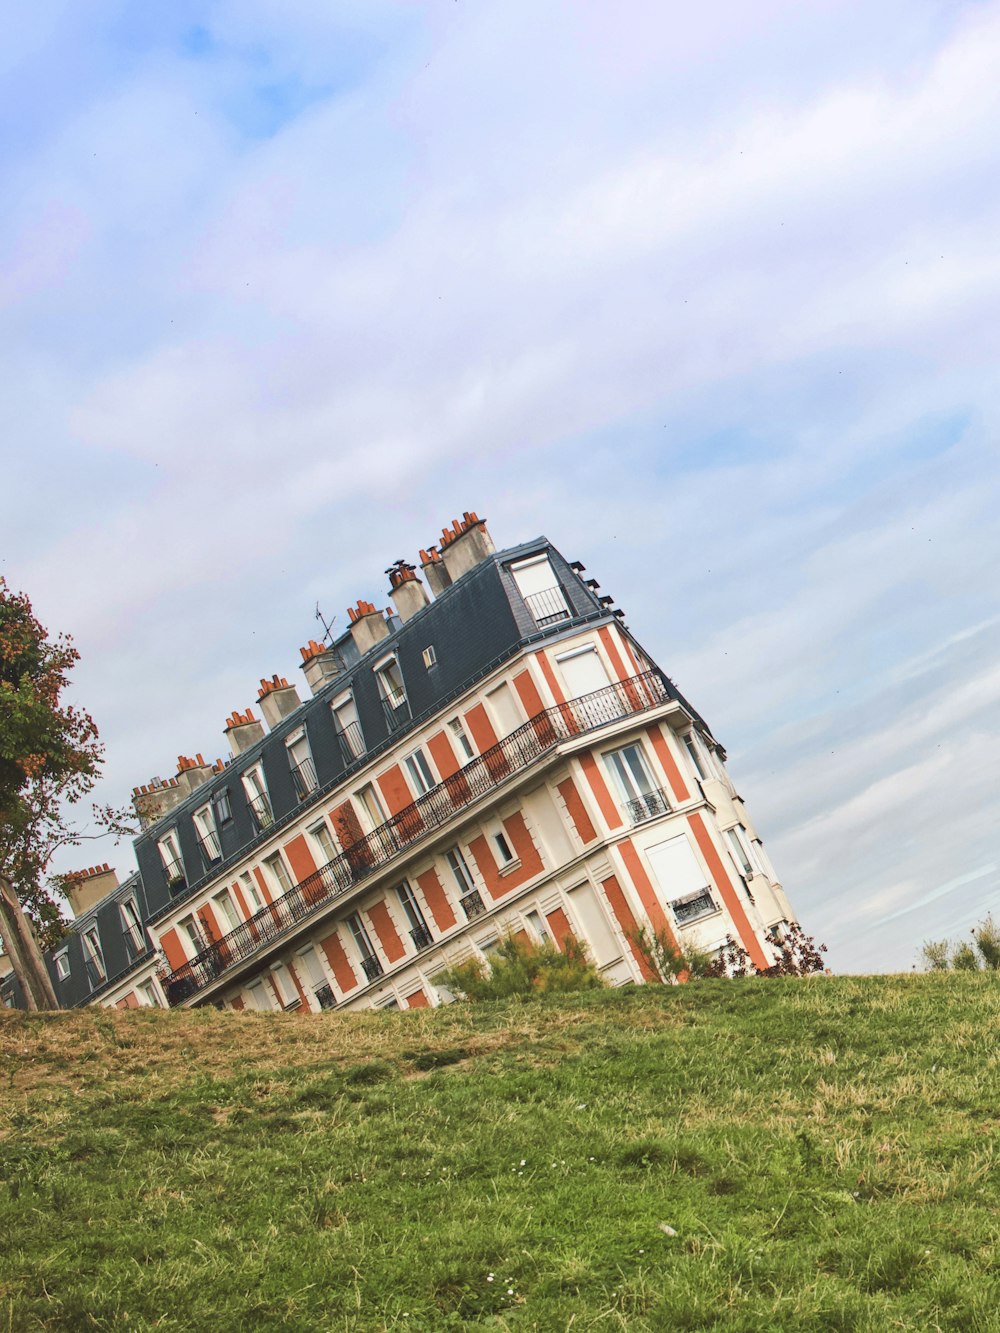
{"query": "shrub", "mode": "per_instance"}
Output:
(520, 967)
(982, 953)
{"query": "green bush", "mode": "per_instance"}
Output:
(520, 967)
(983, 953)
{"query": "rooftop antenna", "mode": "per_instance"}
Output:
(327, 626)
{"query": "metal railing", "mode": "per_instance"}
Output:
(440, 805)
(260, 808)
(693, 907)
(372, 967)
(472, 904)
(325, 997)
(421, 937)
(396, 708)
(174, 872)
(305, 779)
(351, 742)
(648, 806)
(547, 606)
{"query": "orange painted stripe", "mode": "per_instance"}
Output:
(550, 677)
(339, 963)
(386, 931)
(623, 914)
(639, 668)
(674, 776)
(298, 986)
(481, 728)
(237, 890)
(207, 917)
(171, 946)
(442, 754)
(527, 690)
(577, 810)
(418, 1000)
(560, 927)
(644, 887)
(264, 887)
(300, 858)
(595, 780)
(436, 899)
(393, 786)
(611, 648)
(724, 884)
(237, 1002)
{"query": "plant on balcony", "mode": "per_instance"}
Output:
(524, 969)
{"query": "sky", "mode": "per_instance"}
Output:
(708, 295)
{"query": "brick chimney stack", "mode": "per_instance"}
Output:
(156, 799)
(465, 544)
(277, 699)
(368, 626)
(407, 592)
(433, 570)
(319, 664)
(84, 888)
(242, 731)
(191, 773)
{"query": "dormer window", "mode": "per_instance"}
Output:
(257, 797)
(537, 583)
(173, 863)
(301, 762)
(208, 836)
(132, 932)
(392, 693)
(93, 956)
(348, 728)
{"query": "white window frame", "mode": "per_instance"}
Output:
(367, 815)
(278, 872)
(456, 726)
(696, 755)
(328, 853)
(623, 775)
(429, 656)
(388, 693)
(740, 850)
(94, 951)
(148, 995)
(505, 853)
(230, 913)
(169, 847)
(207, 832)
(255, 789)
(553, 607)
(62, 965)
(255, 899)
(132, 929)
(421, 775)
(354, 741)
(460, 872)
(309, 780)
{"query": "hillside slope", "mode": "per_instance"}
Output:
(824, 1150)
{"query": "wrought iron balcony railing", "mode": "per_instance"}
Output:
(547, 606)
(373, 968)
(325, 997)
(305, 779)
(440, 805)
(396, 708)
(472, 904)
(260, 808)
(648, 806)
(693, 907)
(351, 742)
(421, 937)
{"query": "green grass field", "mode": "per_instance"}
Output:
(748, 1155)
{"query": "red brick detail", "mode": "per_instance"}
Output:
(523, 848)
(644, 887)
(442, 754)
(436, 899)
(418, 1000)
(265, 888)
(481, 728)
(241, 902)
(339, 963)
(577, 811)
(595, 780)
(386, 931)
(623, 915)
(300, 858)
(298, 985)
(674, 776)
(237, 1002)
(724, 884)
(559, 925)
(528, 691)
(209, 924)
(173, 949)
(550, 678)
(393, 786)
(128, 1001)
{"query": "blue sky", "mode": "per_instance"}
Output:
(709, 297)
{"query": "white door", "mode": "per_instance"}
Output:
(588, 911)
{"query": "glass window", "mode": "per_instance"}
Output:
(251, 891)
(372, 806)
(630, 771)
(503, 849)
(537, 583)
(461, 739)
(61, 961)
(415, 918)
(321, 836)
(694, 751)
(460, 870)
(208, 838)
(148, 995)
(369, 960)
(279, 873)
(223, 809)
(739, 850)
(420, 772)
(393, 694)
(257, 797)
(348, 728)
(303, 769)
(191, 935)
(228, 915)
(170, 855)
(94, 957)
(132, 932)
(430, 656)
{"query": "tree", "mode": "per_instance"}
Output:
(983, 954)
(49, 758)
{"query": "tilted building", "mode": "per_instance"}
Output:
(495, 756)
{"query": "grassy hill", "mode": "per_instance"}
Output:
(765, 1154)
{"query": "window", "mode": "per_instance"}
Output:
(93, 957)
(251, 891)
(369, 961)
(392, 693)
(283, 984)
(461, 739)
(259, 996)
(534, 920)
(148, 996)
(170, 855)
(257, 797)
(505, 855)
(583, 671)
(420, 772)
(538, 585)
(208, 837)
(430, 656)
(61, 961)
(470, 898)
(132, 932)
(694, 750)
(371, 805)
(279, 872)
(642, 800)
(741, 854)
(419, 933)
(226, 911)
(301, 762)
(348, 728)
(223, 808)
(190, 935)
(321, 836)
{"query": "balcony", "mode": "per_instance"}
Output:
(472, 904)
(693, 907)
(325, 997)
(260, 808)
(396, 709)
(648, 806)
(438, 807)
(351, 742)
(421, 937)
(304, 777)
(373, 968)
(547, 606)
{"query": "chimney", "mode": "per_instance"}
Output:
(465, 544)
(156, 799)
(277, 699)
(407, 592)
(368, 626)
(242, 731)
(320, 664)
(432, 567)
(191, 773)
(84, 888)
